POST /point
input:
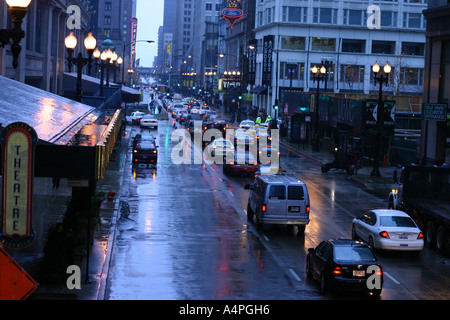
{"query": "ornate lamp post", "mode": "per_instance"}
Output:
(17, 10)
(380, 113)
(90, 43)
(319, 75)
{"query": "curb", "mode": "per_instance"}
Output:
(106, 263)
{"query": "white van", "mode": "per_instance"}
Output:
(278, 199)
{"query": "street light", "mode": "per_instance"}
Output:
(90, 43)
(319, 75)
(17, 10)
(380, 78)
(123, 56)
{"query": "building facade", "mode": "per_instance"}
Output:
(351, 35)
(43, 57)
(435, 141)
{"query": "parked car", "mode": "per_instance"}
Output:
(246, 124)
(194, 117)
(388, 229)
(149, 121)
(344, 263)
(278, 199)
(241, 162)
(182, 119)
(135, 117)
(195, 126)
(145, 151)
(143, 137)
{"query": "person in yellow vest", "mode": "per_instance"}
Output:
(258, 120)
(268, 118)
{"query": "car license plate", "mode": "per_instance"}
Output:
(403, 236)
(359, 273)
(294, 209)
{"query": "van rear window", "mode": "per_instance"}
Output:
(295, 193)
(277, 192)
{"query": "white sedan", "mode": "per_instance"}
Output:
(220, 147)
(388, 230)
(149, 121)
(246, 124)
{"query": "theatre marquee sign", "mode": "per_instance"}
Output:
(18, 141)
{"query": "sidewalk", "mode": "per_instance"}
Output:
(93, 286)
(379, 186)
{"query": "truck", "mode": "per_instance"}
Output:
(424, 193)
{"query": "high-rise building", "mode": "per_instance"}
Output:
(114, 20)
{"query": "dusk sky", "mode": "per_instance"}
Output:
(150, 18)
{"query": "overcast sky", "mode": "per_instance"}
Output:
(150, 17)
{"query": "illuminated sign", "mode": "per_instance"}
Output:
(134, 22)
(18, 142)
(233, 12)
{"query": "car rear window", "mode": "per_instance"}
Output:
(353, 253)
(145, 145)
(296, 193)
(277, 192)
(393, 221)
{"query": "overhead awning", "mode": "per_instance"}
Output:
(57, 121)
(91, 85)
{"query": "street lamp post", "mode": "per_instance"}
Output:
(123, 56)
(17, 10)
(319, 75)
(380, 113)
(90, 43)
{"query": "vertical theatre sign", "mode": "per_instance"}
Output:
(267, 60)
(18, 141)
(232, 12)
(134, 25)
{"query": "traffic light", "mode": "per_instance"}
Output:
(275, 106)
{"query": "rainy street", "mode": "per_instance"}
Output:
(183, 234)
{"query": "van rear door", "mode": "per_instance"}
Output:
(296, 202)
(276, 202)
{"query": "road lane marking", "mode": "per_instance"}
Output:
(295, 274)
(391, 277)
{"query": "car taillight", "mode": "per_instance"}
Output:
(154, 151)
(308, 209)
(264, 208)
(135, 151)
(337, 271)
(232, 162)
(156, 121)
(420, 235)
(384, 234)
(255, 164)
(379, 272)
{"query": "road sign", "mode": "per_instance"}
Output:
(434, 112)
(15, 282)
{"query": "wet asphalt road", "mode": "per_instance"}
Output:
(187, 237)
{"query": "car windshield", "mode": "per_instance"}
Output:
(396, 221)
(149, 117)
(196, 117)
(353, 253)
(224, 143)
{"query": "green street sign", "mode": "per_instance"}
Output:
(434, 112)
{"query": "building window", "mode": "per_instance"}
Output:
(293, 43)
(107, 32)
(352, 74)
(350, 45)
(353, 17)
(324, 15)
(108, 6)
(413, 48)
(295, 14)
(411, 76)
(384, 47)
(323, 44)
(209, 6)
(388, 18)
(412, 20)
(294, 70)
(107, 20)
